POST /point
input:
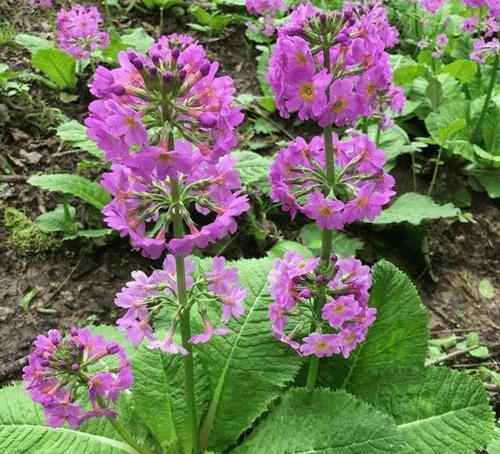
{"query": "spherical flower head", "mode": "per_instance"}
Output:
(331, 93)
(265, 7)
(174, 82)
(78, 31)
(432, 6)
(211, 194)
(60, 367)
(361, 189)
(345, 283)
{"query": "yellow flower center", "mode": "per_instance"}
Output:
(321, 346)
(301, 58)
(362, 202)
(307, 91)
(350, 339)
(371, 88)
(339, 105)
(339, 309)
(324, 211)
(130, 121)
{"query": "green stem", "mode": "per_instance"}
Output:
(414, 172)
(486, 104)
(326, 240)
(434, 174)
(184, 323)
(161, 21)
(129, 439)
(377, 136)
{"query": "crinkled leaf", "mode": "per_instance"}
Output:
(76, 185)
(415, 208)
(491, 130)
(489, 180)
(57, 65)
(494, 446)
(398, 338)
(325, 422)
(55, 220)
(32, 43)
(159, 397)
(249, 368)
(437, 410)
(22, 430)
(462, 70)
(253, 168)
(284, 246)
(449, 119)
(138, 39)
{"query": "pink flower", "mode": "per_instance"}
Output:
(137, 330)
(320, 345)
(326, 213)
(340, 310)
(221, 278)
(209, 332)
(232, 303)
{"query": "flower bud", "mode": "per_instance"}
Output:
(139, 65)
(112, 348)
(306, 293)
(153, 70)
(205, 69)
(75, 367)
(208, 119)
(175, 52)
(182, 74)
(167, 77)
(118, 90)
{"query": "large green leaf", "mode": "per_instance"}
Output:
(32, 43)
(415, 208)
(73, 133)
(450, 118)
(491, 130)
(494, 446)
(323, 422)
(248, 369)
(253, 168)
(462, 70)
(160, 400)
(78, 186)
(398, 338)
(22, 431)
(342, 244)
(437, 410)
(57, 65)
(489, 180)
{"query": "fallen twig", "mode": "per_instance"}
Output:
(13, 178)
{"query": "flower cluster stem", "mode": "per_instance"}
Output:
(127, 437)
(326, 239)
(486, 104)
(185, 324)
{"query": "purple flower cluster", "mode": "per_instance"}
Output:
(146, 295)
(78, 31)
(356, 78)
(485, 29)
(40, 4)
(60, 369)
(432, 6)
(268, 10)
(361, 188)
(296, 283)
(174, 90)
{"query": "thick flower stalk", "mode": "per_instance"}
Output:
(148, 296)
(332, 67)
(296, 283)
(78, 32)
(64, 373)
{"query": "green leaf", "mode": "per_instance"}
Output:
(491, 130)
(32, 43)
(284, 246)
(75, 185)
(159, 397)
(323, 422)
(138, 39)
(486, 289)
(57, 65)
(415, 208)
(437, 410)
(253, 168)
(25, 301)
(489, 180)
(22, 430)
(434, 92)
(448, 122)
(406, 74)
(462, 70)
(448, 131)
(397, 339)
(248, 369)
(494, 446)
(55, 220)
(480, 352)
(394, 141)
(342, 244)
(91, 233)
(73, 133)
